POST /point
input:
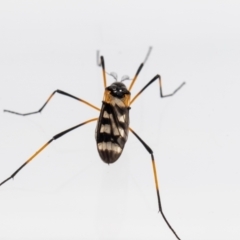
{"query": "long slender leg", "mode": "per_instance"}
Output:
(98, 59)
(56, 91)
(139, 69)
(160, 85)
(156, 181)
(101, 63)
(45, 145)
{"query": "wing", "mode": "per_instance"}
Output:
(112, 131)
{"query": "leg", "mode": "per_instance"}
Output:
(156, 181)
(160, 84)
(57, 91)
(139, 69)
(101, 63)
(45, 145)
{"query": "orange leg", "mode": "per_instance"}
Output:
(44, 146)
(56, 91)
(160, 85)
(156, 181)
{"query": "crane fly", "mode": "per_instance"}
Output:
(113, 122)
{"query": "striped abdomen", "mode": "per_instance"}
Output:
(112, 128)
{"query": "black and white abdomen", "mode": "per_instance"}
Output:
(113, 126)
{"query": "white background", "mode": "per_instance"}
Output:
(67, 192)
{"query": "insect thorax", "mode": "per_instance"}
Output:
(112, 127)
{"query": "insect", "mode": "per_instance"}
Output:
(112, 124)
